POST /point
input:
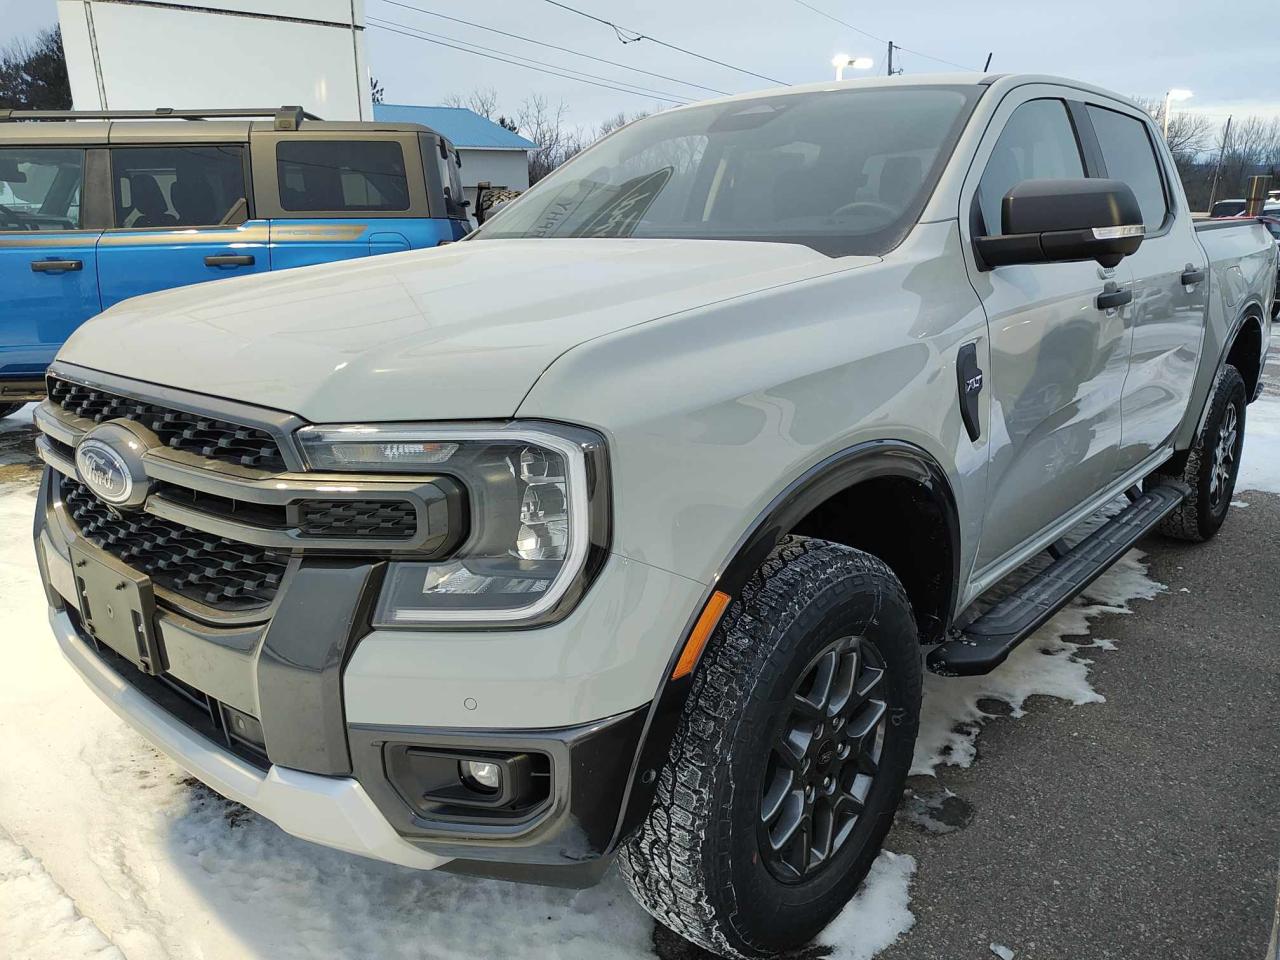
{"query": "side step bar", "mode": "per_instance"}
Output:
(986, 642)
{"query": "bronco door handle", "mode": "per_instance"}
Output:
(1191, 276)
(55, 266)
(229, 260)
(1112, 296)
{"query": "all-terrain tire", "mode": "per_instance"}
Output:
(699, 863)
(1201, 515)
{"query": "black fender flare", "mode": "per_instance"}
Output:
(869, 460)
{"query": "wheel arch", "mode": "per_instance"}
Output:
(911, 477)
(1244, 351)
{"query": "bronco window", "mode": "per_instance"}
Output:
(333, 175)
(40, 189)
(846, 171)
(178, 186)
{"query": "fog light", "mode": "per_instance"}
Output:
(480, 775)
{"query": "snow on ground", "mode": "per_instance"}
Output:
(41, 923)
(1046, 664)
(878, 915)
(1260, 462)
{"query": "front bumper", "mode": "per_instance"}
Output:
(323, 774)
(334, 811)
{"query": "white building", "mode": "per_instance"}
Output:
(201, 54)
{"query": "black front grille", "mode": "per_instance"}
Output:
(221, 573)
(358, 519)
(178, 429)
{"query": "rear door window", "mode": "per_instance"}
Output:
(40, 189)
(1037, 143)
(1130, 157)
(179, 186)
(319, 176)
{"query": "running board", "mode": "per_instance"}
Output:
(985, 643)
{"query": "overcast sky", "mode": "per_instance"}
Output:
(1138, 47)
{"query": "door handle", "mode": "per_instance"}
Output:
(1191, 276)
(229, 260)
(55, 266)
(1112, 296)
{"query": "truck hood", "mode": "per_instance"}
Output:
(458, 332)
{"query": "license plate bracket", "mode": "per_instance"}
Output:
(117, 606)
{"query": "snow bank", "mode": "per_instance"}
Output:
(878, 915)
(1260, 462)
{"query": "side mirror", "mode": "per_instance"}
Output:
(1061, 221)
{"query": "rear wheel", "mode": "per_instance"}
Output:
(1213, 464)
(790, 758)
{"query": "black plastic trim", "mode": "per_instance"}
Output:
(865, 461)
(589, 772)
(326, 605)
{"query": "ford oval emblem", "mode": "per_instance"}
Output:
(104, 471)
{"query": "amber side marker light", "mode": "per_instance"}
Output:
(700, 634)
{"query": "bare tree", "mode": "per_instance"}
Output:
(1189, 133)
(482, 100)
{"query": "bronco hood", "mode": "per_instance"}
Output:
(458, 332)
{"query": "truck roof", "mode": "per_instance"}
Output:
(999, 81)
(221, 126)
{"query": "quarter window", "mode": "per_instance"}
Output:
(1037, 143)
(40, 189)
(179, 186)
(1129, 156)
(339, 175)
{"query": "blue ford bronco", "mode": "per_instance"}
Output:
(96, 207)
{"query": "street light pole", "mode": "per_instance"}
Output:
(842, 62)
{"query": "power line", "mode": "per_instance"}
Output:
(564, 73)
(865, 33)
(552, 46)
(627, 35)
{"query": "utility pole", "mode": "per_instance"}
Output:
(1217, 167)
(889, 72)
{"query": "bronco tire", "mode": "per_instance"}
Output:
(1213, 463)
(789, 761)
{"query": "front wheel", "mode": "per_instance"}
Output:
(1213, 463)
(790, 758)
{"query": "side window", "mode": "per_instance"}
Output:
(318, 176)
(40, 189)
(1127, 151)
(1037, 143)
(178, 186)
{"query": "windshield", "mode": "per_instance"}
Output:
(845, 171)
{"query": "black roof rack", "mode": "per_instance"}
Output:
(286, 118)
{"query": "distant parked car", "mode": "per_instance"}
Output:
(111, 206)
(1227, 208)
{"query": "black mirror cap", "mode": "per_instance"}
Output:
(1061, 221)
(1054, 206)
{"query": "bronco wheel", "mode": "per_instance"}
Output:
(1213, 463)
(789, 760)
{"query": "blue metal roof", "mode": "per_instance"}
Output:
(462, 127)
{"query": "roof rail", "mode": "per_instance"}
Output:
(286, 118)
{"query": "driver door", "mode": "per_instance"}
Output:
(1058, 363)
(48, 261)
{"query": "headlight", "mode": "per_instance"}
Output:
(538, 516)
